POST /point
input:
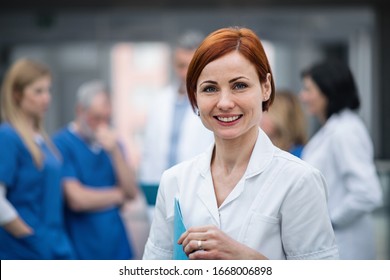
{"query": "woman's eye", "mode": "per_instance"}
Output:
(209, 89)
(39, 91)
(240, 86)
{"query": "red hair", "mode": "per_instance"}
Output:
(222, 42)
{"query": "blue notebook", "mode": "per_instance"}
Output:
(178, 230)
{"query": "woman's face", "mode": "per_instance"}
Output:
(230, 96)
(313, 99)
(35, 98)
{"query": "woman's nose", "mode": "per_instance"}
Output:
(225, 101)
(47, 97)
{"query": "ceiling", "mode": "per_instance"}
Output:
(17, 5)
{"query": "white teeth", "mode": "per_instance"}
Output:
(229, 119)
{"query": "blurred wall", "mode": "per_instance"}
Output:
(76, 43)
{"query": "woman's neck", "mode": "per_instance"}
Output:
(231, 154)
(29, 123)
(321, 117)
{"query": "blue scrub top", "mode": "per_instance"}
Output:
(95, 234)
(297, 150)
(37, 196)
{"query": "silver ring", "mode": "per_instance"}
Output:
(200, 245)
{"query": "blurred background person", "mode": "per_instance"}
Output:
(342, 150)
(173, 131)
(97, 179)
(285, 122)
(31, 197)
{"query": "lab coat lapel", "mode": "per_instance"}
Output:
(206, 190)
(261, 156)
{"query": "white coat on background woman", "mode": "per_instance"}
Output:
(343, 151)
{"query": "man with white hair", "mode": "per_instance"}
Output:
(96, 179)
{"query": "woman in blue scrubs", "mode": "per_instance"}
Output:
(31, 199)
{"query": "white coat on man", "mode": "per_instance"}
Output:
(194, 137)
(343, 151)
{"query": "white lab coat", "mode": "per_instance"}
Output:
(342, 150)
(194, 138)
(278, 207)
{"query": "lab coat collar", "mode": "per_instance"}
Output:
(335, 118)
(261, 157)
(325, 131)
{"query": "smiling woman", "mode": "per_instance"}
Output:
(226, 41)
(243, 198)
(228, 103)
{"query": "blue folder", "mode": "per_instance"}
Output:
(178, 230)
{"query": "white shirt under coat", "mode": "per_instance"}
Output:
(342, 150)
(278, 207)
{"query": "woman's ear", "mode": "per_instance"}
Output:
(266, 87)
(18, 95)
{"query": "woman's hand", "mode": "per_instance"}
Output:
(210, 243)
(18, 228)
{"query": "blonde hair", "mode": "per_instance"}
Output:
(289, 119)
(21, 74)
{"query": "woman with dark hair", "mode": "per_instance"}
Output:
(343, 151)
(243, 198)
